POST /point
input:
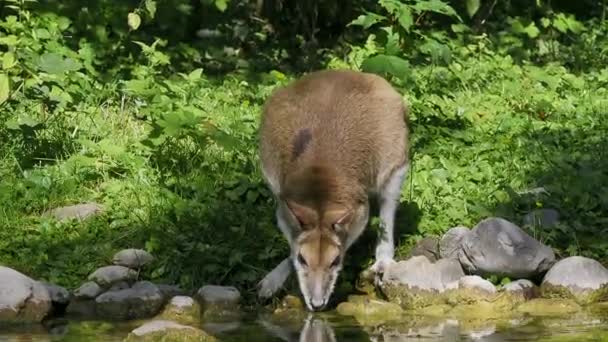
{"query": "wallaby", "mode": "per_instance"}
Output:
(328, 142)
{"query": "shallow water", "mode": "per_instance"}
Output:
(330, 327)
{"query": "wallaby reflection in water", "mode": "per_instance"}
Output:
(314, 330)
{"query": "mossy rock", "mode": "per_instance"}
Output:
(368, 310)
(167, 331)
(437, 310)
(412, 298)
(365, 283)
(183, 310)
(481, 310)
(549, 307)
(290, 307)
(581, 296)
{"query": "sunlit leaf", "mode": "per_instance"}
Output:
(150, 7)
(134, 20)
(472, 7)
(367, 20)
(384, 64)
(4, 88)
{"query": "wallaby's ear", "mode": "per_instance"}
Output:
(305, 215)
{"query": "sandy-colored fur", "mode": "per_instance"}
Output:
(327, 141)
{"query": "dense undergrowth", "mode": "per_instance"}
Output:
(162, 132)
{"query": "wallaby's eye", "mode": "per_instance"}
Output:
(301, 260)
(335, 262)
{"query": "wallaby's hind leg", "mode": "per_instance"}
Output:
(275, 279)
(389, 200)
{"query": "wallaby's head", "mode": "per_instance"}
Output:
(319, 247)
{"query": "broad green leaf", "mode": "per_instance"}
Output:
(436, 6)
(367, 20)
(134, 20)
(221, 5)
(405, 18)
(472, 7)
(53, 63)
(4, 88)
(532, 31)
(392, 42)
(8, 60)
(150, 7)
(384, 64)
(195, 75)
(10, 40)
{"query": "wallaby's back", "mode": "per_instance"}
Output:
(342, 132)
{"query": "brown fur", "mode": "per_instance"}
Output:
(355, 124)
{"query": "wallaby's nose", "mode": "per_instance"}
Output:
(316, 305)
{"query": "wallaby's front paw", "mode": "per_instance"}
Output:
(268, 286)
(381, 265)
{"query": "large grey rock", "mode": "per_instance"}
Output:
(451, 242)
(545, 218)
(132, 258)
(22, 299)
(428, 247)
(498, 247)
(88, 290)
(142, 300)
(78, 211)
(579, 278)
(415, 282)
(163, 330)
(108, 275)
(81, 308)
(59, 295)
(214, 294)
(522, 289)
(219, 302)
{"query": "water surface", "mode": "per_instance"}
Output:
(328, 327)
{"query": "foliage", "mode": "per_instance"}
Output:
(111, 102)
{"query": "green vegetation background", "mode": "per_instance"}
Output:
(151, 108)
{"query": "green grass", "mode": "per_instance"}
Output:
(173, 159)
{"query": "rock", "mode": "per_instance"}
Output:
(170, 291)
(88, 290)
(108, 275)
(78, 211)
(522, 289)
(219, 302)
(81, 308)
(161, 330)
(498, 247)
(415, 283)
(545, 218)
(290, 305)
(428, 247)
(183, 310)
(121, 285)
(132, 258)
(367, 310)
(437, 310)
(481, 310)
(548, 307)
(582, 279)
(142, 300)
(470, 289)
(59, 295)
(451, 242)
(22, 299)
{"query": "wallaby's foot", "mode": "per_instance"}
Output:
(274, 280)
(381, 265)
